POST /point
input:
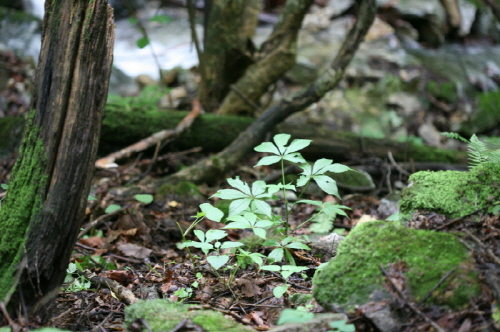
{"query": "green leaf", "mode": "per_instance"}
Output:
(338, 168)
(164, 19)
(211, 212)
(199, 234)
(290, 316)
(276, 254)
(268, 160)
(112, 208)
(240, 185)
(297, 245)
(259, 189)
(215, 234)
(308, 201)
(89, 198)
(278, 291)
(288, 270)
(229, 194)
(280, 140)
(327, 184)
(298, 144)
(256, 258)
(144, 198)
(267, 147)
(142, 42)
(230, 244)
(217, 261)
(271, 243)
(238, 225)
(262, 207)
(238, 206)
(260, 233)
(294, 158)
(321, 166)
(274, 268)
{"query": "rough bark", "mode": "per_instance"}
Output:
(45, 203)
(227, 48)
(207, 170)
(275, 57)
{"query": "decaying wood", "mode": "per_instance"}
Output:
(41, 214)
(156, 138)
(214, 167)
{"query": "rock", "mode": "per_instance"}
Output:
(430, 135)
(325, 246)
(452, 193)
(415, 259)
(388, 205)
(165, 315)
(408, 103)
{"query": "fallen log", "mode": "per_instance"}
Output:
(214, 132)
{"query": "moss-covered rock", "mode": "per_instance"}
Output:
(354, 275)
(164, 315)
(452, 193)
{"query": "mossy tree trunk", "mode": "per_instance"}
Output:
(227, 50)
(276, 55)
(45, 203)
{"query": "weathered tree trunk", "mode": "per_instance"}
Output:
(41, 215)
(227, 48)
(274, 58)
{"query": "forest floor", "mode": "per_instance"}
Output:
(138, 247)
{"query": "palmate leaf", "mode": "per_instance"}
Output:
(281, 151)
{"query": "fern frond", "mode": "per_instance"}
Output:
(479, 151)
(455, 136)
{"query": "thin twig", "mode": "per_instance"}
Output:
(408, 303)
(436, 286)
(483, 246)
(395, 164)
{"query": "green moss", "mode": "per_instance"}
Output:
(452, 193)
(354, 273)
(182, 189)
(164, 315)
(443, 90)
(486, 116)
(10, 135)
(22, 204)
